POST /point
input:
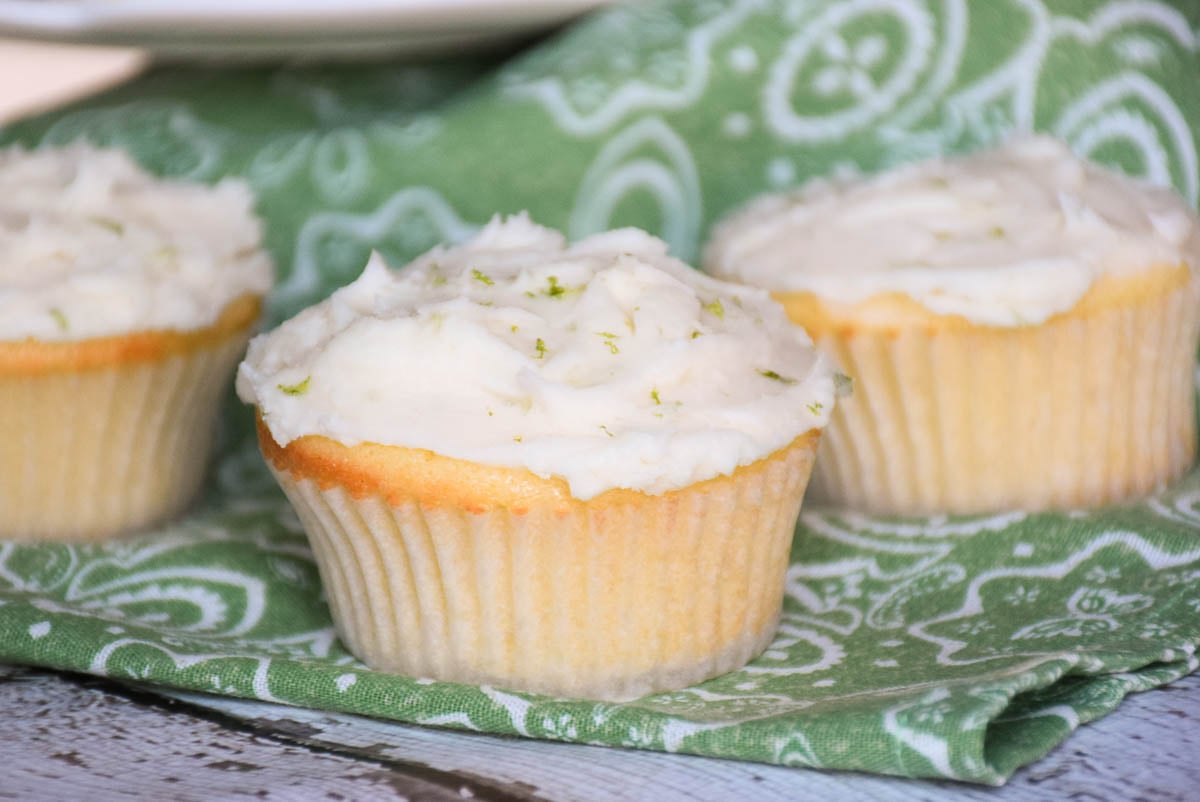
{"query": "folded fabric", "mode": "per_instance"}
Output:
(958, 648)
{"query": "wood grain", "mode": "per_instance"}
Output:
(72, 737)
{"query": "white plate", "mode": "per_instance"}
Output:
(287, 28)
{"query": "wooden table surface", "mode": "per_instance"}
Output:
(74, 737)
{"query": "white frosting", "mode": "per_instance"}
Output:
(92, 245)
(1005, 237)
(606, 363)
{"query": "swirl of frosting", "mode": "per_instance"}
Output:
(606, 363)
(92, 245)
(1004, 237)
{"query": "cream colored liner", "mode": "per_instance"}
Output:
(1094, 406)
(612, 598)
(110, 435)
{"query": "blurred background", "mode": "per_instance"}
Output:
(55, 52)
(37, 76)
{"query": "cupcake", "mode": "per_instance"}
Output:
(125, 303)
(568, 470)
(1021, 326)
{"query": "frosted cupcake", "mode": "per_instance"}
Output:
(125, 302)
(1021, 327)
(572, 470)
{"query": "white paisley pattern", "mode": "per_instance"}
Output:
(664, 63)
(411, 221)
(624, 167)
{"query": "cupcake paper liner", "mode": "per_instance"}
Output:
(1084, 410)
(597, 600)
(91, 453)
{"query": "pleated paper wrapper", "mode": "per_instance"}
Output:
(595, 600)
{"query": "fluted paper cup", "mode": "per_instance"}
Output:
(108, 435)
(441, 568)
(1091, 407)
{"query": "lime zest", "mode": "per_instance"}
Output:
(436, 277)
(59, 318)
(109, 223)
(608, 337)
(772, 375)
(295, 389)
(556, 290)
(843, 385)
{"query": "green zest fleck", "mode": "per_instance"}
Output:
(815, 407)
(435, 275)
(772, 375)
(608, 340)
(716, 308)
(697, 333)
(110, 224)
(482, 277)
(514, 328)
(843, 385)
(59, 318)
(940, 183)
(941, 236)
(654, 395)
(295, 389)
(490, 413)
(540, 346)
(556, 290)
(604, 429)
(998, 232)
(517, 439)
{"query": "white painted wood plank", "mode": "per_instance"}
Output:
(76, 739)
(1148, 749)
(64, 741)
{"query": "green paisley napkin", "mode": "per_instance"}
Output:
(957, 648)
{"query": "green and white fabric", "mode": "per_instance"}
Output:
(957, 648)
